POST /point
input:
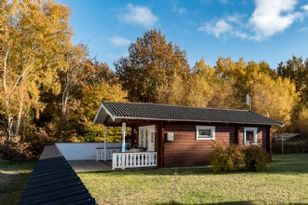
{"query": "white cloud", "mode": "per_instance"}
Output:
(138, 15)
(268, 18)
(177, 9)
(119, 41)
(305, 7)
(217, 28)
(271, 17)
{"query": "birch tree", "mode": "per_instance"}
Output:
(32, 37)
(70, 76)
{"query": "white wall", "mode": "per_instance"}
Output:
(82, 151)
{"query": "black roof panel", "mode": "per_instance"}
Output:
(53, 181)
(151, 111)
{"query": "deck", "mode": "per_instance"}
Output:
(78, 165)
(90, 165)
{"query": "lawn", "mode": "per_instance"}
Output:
(284, 181)
(13, 177)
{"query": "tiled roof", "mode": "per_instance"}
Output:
(53, 181)
(150, 111)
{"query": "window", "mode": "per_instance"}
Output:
(250, 135)
(205, 133)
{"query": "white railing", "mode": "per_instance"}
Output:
(101, 154)
(134, 160)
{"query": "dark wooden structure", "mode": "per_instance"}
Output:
(185, 149)
(53, 181)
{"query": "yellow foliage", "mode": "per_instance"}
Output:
(274, 98)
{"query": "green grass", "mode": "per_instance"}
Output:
(284, 181)
(13, 177)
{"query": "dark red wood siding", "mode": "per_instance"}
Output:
(185, 150)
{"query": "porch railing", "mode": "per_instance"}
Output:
(134, 160)
(103, 155)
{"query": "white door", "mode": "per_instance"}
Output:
(147, 137)
(151, 141)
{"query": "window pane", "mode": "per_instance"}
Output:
(205, 133)
(249, 137)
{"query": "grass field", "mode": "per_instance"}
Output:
(284, 181)
(13, 177)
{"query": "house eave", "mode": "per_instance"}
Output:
(193, 120)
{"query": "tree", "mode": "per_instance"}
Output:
(202, 85)
(152, 64)
(274, 98)
(296, 69)
(31, 40)
(71, 77)
(98, 83)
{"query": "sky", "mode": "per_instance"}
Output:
(269, 30)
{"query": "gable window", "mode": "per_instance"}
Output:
(250, 135)
(205, 132)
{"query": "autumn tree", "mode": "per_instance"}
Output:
(70, 77)
(31, 39)
(153, 65)
(101, 85)
(202, 85)
(296, 69)
(274, 98)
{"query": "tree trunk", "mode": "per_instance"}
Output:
(65, 97)
(6, 98)
(20, 110)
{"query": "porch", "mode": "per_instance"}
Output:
(142, 139)
(137, 152)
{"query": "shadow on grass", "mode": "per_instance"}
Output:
(223, 203)
(16, 166)
(11, 187)
(282, 164)
(226, 203)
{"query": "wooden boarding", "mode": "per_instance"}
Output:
(53, 181)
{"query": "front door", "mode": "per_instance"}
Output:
(147, 137)
(151, 141)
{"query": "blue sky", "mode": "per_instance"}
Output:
(270, 30)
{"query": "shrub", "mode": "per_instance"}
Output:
(227, 158)
(235, 158)
(30, 147)
(37, 142)
(15, 150)
(255, 158)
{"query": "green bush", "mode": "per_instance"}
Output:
(227, 158)
(236, 158)
(255, 158)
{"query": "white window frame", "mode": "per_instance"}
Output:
(255, 135)
(212, 128)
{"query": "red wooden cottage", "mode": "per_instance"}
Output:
(170, 136)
